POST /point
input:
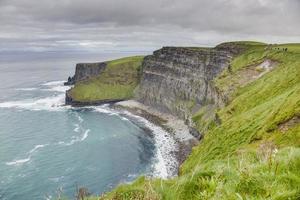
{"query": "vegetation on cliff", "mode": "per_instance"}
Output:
(117, 81)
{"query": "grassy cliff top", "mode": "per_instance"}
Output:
(255, 152)
(117, 81)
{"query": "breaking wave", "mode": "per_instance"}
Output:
(55, 102)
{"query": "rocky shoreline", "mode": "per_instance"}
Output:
(185, 136)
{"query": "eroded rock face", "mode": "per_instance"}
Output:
(180, 80)
(85, 71)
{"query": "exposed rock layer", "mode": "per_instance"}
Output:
(85, 71)
(180, 80)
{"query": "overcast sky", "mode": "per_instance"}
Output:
(129, 25)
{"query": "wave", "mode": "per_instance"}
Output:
(79, 118)
(53, 103)
(76, 139)
(76, 129)
(18, 162)
(52, 83)
(104, 109)
(124, 118)
(36, 147)
(24, 160)
(59, 88)
(26, 89)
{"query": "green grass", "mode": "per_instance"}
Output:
(117, 81)
(247, 156)
(255, 110)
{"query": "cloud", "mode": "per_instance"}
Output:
(141, 24)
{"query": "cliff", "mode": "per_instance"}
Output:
(179, 80)
(106, 82)
(85, 71)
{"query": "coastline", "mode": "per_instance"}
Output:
(176, 127)
(183, 135)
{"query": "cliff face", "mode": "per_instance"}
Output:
(85, 71)
(179, 80)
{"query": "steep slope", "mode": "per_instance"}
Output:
(254, 151)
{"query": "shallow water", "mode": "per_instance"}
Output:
(46, 146)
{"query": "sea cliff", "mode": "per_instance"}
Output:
(243, 97)
(85, 71)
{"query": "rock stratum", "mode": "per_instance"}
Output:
(180, 80)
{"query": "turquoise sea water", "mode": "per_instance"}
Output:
(47, 147)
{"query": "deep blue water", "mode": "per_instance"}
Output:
(46, 147)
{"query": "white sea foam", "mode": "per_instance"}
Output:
(76, 139)
(53, 103)
(59, 88)
(85, 135)
(50, 103)
(77, 127)
(26, 89)
(52, 83)
(36, 147)
(104, 109)
(56, 179)
(80, 119)
(24, 160)
(124, 118)
(18, 162)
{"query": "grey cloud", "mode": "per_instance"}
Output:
(105, 24)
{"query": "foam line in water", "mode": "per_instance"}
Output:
(59, 88)
(77, 127)
(76, 139)
(26, 89)
(52, 83)
(22, 161)
(36, 147)
(18, 162)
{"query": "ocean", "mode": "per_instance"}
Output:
(48, 148)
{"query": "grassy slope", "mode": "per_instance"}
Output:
(118, 81)
(247, 156)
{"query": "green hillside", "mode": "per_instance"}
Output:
(117, 81)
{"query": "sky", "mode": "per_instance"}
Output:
(142, 25)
